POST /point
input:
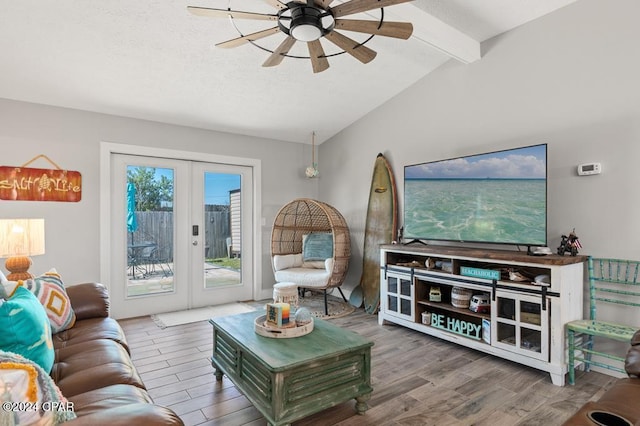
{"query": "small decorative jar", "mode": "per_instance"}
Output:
(286, 293)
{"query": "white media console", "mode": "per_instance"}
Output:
(526, 319)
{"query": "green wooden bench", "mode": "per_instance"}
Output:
(615, 282)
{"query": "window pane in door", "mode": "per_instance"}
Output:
(150, 230)
(222, 229)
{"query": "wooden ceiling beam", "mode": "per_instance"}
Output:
(433, 32)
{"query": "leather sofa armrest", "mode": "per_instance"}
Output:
(89, 300)
(131, 414)
(632, 362)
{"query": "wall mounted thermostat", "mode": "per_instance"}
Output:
(589, 169)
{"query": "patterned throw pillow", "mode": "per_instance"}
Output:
(24, 381)
(49, 290)
(25, 328)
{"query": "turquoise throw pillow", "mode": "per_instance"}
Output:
(25, 328)
(317, 246)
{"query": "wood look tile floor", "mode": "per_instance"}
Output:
(417, 380)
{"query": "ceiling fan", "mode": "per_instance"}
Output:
(309, 21)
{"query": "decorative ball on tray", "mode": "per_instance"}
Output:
(303, 317)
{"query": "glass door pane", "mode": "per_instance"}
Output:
(150, 230)
(399, 295)
(521, 324)
(222, 230)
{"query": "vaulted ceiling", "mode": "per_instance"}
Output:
(151, 59)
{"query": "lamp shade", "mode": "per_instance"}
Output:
(21, 237)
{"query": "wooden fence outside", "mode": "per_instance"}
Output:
(157, 227)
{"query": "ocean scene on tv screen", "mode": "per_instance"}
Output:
(498, 197)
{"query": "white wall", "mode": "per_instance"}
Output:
(72, 139)
(570, 79)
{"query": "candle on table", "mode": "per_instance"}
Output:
(285, 312)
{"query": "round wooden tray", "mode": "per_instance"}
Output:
(281, 333)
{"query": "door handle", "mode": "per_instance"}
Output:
(194, 242)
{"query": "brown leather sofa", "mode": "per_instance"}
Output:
(93, 367)
(621, 401)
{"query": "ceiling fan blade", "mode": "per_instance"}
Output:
(323, 3)
(357, 6)
(401, 30)
(319, 62)
(278, 55)
(276, 3)
(223, 13)
(249, 37)
(352, 47)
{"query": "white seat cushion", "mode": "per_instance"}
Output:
(304, 277)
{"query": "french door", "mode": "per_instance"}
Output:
(221, 219)
(180, 234)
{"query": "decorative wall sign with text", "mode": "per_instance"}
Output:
(31, 184)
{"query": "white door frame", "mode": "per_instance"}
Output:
(109, 148)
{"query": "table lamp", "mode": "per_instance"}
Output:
(19, 239)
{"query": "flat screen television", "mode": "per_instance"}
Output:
(498, 198)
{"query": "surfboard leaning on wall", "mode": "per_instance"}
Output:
(380, 228)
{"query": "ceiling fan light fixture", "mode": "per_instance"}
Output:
(306, 24)
(306, 32)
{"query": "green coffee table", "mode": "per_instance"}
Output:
(289, 379)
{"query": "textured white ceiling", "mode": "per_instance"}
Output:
(151, 59)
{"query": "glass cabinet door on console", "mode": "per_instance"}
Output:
(520, 323)
(398, 300)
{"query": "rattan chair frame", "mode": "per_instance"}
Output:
(304, 216)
